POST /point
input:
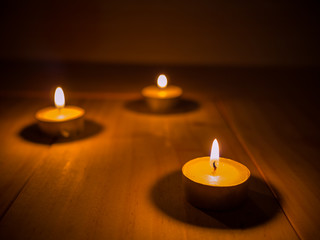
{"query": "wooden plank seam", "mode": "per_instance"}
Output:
(242, 143)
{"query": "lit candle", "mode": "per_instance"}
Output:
(60, 120)
(215, 183)
(162, 98)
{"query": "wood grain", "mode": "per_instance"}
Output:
(281, 133)
(18, 158)
(124, 181)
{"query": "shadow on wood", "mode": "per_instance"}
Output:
(184, 106)
(168, 196)
(32, 133)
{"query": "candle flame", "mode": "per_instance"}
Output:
(214, 156)
(162, 81)
(59, 98)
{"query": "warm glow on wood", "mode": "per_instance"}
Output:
(162, 81)
(214, 156)
(59, 98)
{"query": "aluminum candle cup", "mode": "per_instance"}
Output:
(65, 122)
(215, 189)
(60, 120)
(161, 98)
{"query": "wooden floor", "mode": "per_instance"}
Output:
(121, 179)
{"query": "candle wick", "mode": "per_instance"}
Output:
(214, 166)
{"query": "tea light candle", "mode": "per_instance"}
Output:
(215, 183)
(60, 120)
(162, 98)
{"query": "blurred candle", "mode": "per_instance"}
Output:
(215, 183)
(162, 98)
(60, 120)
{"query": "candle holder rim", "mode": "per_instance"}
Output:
(217, 186)
(39, 118)
(147, 95)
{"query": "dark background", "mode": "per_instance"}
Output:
(192, 32)
(107, 43)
